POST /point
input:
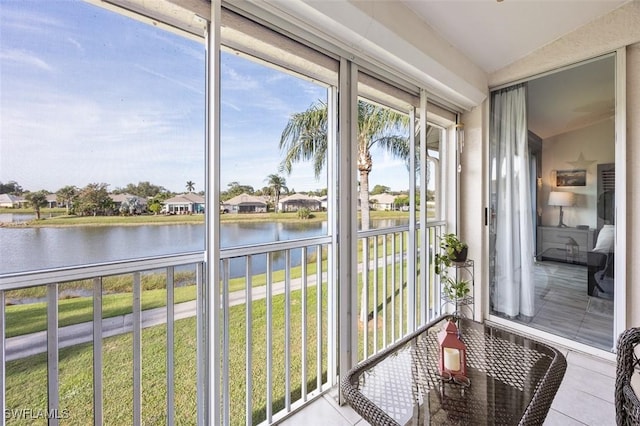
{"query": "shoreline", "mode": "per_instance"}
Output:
(197, 219)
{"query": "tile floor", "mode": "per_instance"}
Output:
(585, 397)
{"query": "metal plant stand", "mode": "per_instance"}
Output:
(463, 270)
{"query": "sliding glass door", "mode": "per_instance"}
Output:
(552, 198)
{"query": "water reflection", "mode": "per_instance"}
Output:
(25, 249)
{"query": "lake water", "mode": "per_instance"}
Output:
(22, 217)
(25, 249)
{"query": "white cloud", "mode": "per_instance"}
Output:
(64, 139)
(231, 105)
(169, 40)
(171, 79)
(276, 78)
(23, 57)
(233, 80)
(76, 44)
(32, 22)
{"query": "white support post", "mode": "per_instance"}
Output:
(137, 349)
(226, 380)
(425, 276)
(332, 252)
(269, 338)
(201, 347)
(331, 344)
(411, 238)
(620, 319)
(98, 412)
(248, 290)
(213, 413)
(170, 285)
(3, 386)
(347, 220)
(304, 325)
(53, 381)
(287, 331)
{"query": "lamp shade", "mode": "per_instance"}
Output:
(562, 199)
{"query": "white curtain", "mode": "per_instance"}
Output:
(513, 287)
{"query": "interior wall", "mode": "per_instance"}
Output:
(596, 142)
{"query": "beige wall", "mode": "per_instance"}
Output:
(594, 143)
(472, 204)
(606, 34)
(616, 30)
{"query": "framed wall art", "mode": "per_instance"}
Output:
(571, 178)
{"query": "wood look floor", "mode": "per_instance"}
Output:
(563, 307)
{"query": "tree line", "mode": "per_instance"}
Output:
(95, 198)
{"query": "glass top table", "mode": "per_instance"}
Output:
(513, 380)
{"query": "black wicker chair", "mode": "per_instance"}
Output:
(628, 364)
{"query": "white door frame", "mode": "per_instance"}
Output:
(620, 298)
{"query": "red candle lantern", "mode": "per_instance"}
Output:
(453, 352)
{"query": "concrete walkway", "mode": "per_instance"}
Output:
(30, 344)
(35, 343)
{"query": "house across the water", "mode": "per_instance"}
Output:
(184, 204)
(245, 203)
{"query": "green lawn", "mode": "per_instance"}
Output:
(149, 219)
(26, 378)
(30, 318)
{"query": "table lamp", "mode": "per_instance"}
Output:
(561, 199)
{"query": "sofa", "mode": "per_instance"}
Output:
(600, 264)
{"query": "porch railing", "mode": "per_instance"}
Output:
(285, 349)
(41, 377)
(399, 291)
(92, 361)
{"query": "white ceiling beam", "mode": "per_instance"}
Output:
(390, 35)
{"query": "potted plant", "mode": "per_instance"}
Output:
(452, 249)
(455, 289)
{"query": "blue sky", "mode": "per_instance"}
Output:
(87, 95)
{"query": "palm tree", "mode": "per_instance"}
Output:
(276, 184)
(305, 138)
(66, 196)
(37, 200)
(190, 186)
